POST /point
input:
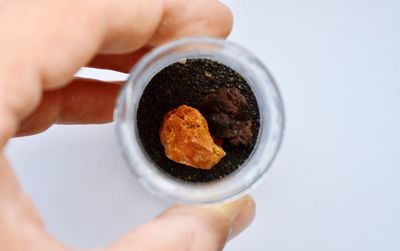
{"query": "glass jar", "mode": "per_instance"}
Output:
(269, 139)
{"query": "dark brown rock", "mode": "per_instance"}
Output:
(226, 100)
(224, 111)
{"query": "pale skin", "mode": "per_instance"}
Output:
(42, 44)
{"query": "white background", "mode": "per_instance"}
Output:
(336, 182)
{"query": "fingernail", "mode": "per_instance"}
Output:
(240, 214)
(243, 219)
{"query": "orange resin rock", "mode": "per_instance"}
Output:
(186, 139)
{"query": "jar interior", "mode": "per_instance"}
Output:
(187, 81)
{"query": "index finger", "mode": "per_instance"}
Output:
(48, 41)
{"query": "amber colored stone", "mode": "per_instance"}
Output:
(186, 139)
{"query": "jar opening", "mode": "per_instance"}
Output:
(255, 80)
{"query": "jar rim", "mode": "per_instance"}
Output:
(232, 186)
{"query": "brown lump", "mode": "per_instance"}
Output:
(225, 112)
(186, 139)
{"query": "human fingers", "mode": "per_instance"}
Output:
(65, 35)
(194, 228)
(83, 101)
(199, 17)
(193, 18)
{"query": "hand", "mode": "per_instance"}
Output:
(42, 44)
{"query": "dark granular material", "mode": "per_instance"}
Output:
(192, 82)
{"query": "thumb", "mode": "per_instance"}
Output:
(191, 228)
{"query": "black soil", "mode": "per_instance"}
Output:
(191, 82)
